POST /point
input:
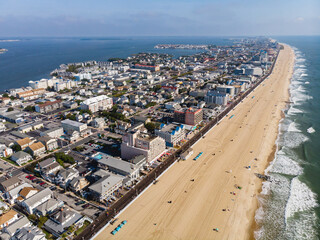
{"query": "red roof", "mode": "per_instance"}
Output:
(48, 103)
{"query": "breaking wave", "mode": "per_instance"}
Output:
(286, 203)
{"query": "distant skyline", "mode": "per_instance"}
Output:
(158, 18)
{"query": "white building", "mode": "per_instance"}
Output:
(5, 151)
(69, 125)
(68, 84)
(44, 83)
(98, 123)
(136, 143)
(98, 103)
(171, 133)
(31, 203)
(81, 76)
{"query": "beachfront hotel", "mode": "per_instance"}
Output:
(135, 143)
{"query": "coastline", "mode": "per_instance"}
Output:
(191, 215)
(274, 151)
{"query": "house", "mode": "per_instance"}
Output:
(31, 203)
(24, 143)
(64, 176)
(98, 123)
(5, 151)
(9, 184)
(15, 226)
(29, 233)
(25, 128)
(37, 149)
(50, 143)
(26, 193)
(59, 222)
(48, 168)
(37, 125)
(13, 194)
(8, 218)
(105, 186)
(122, 127)
(2, 127)
(48, 207)
(78, 183)
(21, 157)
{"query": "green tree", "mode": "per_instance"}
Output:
(42, 221)
(62, 158)
(16, 148)
(29, 108)
(150, 104)
(10, 109)
(150, 127)
(5, 95)
(156, 88)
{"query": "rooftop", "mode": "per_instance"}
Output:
(95, 99)
(116, 163)
(7, 216)
(36, 146)
(105, 183)
(73, 123)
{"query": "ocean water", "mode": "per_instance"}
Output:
(289, 205)
(34, 58)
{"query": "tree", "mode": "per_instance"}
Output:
(10, 109)
(16, 148)
(5, 95)
(29, 108)
(72, 68)
(156, 88)
(150, 104)
(63, 158)
(150, 127)
(42, 220)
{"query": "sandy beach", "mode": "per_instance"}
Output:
(212, 200)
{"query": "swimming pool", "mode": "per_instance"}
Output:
(98, 156)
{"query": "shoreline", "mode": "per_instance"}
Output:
(275, 149)
(201, 204)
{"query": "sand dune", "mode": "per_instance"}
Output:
(197, 206)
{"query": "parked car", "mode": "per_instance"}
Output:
(79, 203)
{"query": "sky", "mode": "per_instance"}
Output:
(67, 18)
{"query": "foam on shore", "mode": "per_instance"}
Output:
(287, 203)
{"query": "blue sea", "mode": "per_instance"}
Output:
(289, 206)
(34, 58)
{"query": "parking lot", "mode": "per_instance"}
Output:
(78, 204)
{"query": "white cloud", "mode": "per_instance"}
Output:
(300, 19)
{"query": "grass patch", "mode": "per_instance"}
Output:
(48, 235)
(10, 161)
(80, 230)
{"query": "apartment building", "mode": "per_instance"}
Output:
(98, 103)
(48, 106)
(136, 143)
(189, 116)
